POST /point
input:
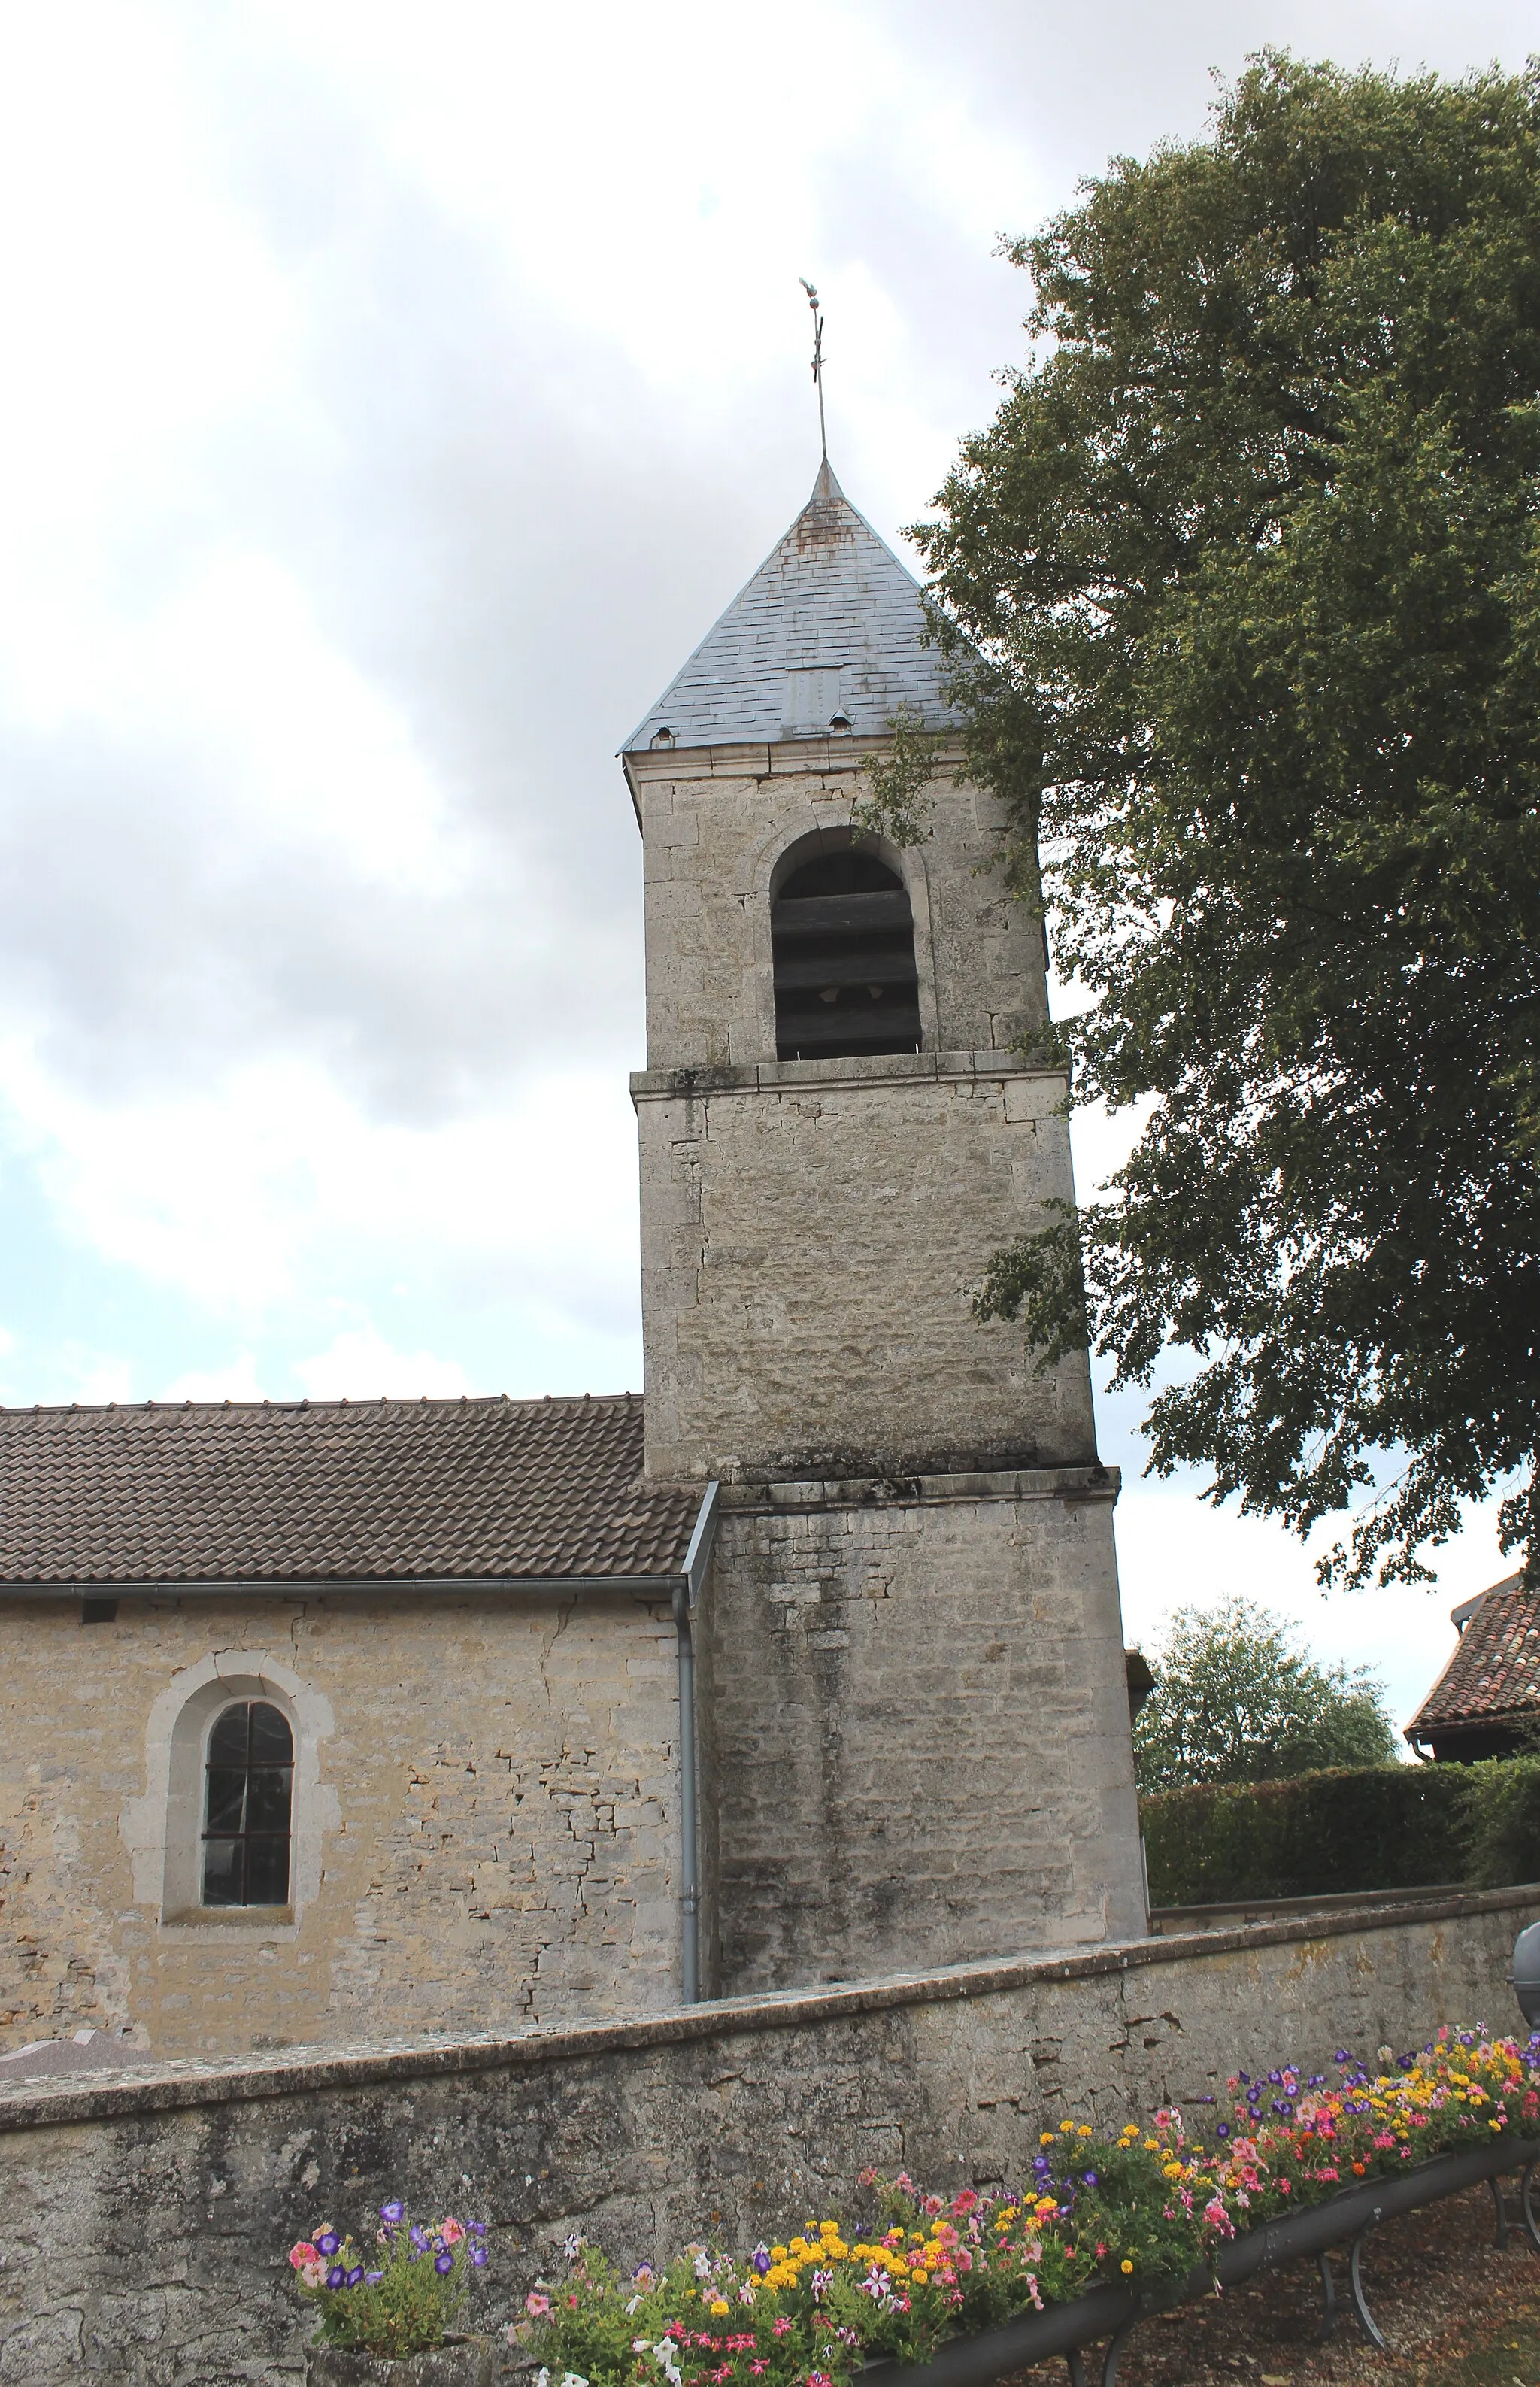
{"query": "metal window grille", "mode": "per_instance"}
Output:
(248, 1807)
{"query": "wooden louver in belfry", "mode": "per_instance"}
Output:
(843, 939)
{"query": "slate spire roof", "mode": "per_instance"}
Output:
(829, 631)
(1493, 1675)
(318, 1492)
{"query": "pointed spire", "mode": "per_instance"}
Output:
(827, 635)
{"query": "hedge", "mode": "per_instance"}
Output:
(1359, 1827)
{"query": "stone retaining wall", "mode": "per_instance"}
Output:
(146, 2215)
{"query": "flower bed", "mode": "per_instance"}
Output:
(400, 2294)
(1109, 2224)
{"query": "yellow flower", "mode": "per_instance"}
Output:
(718, 2306)
(1046, 2139)
(777, 2253)
(1065, 2126)
(1084, 2130)
(1152, 2146)
(1126, 2265)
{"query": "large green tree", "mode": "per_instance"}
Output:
(1250, 562)
(1234, 1701)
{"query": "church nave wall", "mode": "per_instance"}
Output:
(494, 1803)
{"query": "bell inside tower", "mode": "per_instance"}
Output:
(843, 939)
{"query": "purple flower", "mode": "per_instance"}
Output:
(393, 2211)
(1244, 2077)
(354, 2277)
(761, 2259)
(478, 2257)
(1343, 2056)
(327, 2242)
(372, 2279)
(476, 2228)
(336, 2277)
(444, 2263)
(1276, 2079)
(1089, 2178)
(419, 2236)
(1221, 2129)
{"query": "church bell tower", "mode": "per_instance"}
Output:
(912, 1707)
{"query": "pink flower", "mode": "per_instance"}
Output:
(303, 2255)
(780, 2327)
(451, 2231)
(537, 2307)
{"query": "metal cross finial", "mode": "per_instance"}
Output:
(818, 359)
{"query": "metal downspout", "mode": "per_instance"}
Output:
(689, 1889)
(685, 1593)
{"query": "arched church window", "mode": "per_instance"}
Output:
(247, 1806)
(843, 938)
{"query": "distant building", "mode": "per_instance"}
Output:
(1487, 1702)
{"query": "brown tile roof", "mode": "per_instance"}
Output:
(1495, 1672)
(313, 1491)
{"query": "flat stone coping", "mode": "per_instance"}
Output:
(1206, 1915)
(180, 2084)
(745, 1496)
(865, 1070)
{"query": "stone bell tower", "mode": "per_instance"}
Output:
(912, 1707)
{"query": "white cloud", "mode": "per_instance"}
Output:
(360, 1363)
(238, 1381)
(276, 1184)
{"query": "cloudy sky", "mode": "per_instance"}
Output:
(393, 395)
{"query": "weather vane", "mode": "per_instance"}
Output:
(818, 359)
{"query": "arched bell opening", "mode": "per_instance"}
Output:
(843, 939)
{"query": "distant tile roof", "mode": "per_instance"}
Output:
(831, 596)
(1495, 1672)
(318, 1491)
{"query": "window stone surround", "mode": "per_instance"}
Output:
(162, 1831)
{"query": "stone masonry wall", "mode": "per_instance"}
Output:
(714, 823)
(929, 1760)
(811, 1230)
(497, 1801)
(147, 2221)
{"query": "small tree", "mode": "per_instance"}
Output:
(1234, 1702)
